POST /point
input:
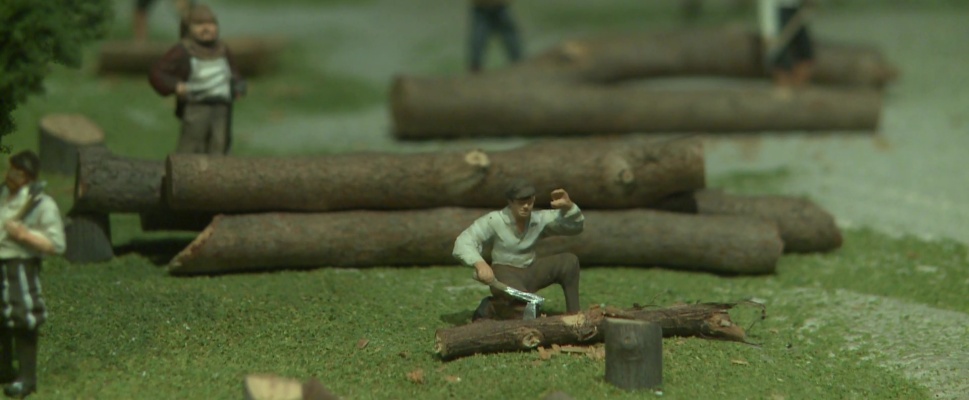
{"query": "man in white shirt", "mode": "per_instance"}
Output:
(513, 233)
(32, 229)
(793, 64)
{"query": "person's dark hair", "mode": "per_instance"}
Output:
(26, 161)
(519, 189)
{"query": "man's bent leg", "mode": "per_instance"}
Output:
(562, 269)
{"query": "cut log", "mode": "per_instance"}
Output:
(61, 135)
(707, 320)
(599, 173)
(426, 237)
(253, 56)
(634, 354)
(804, 226)
(691, 52)
(425, 108)
(108, 183)
(88, 237)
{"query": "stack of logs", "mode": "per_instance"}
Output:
(644, 198)
(590, 87)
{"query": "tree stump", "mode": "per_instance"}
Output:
(61, 135)
(634, 354)
(88, 236)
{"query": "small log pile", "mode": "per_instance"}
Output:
(578, 87)
(644, 199)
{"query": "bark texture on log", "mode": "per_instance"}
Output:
(61, 135)
(108, 183)
(426, 237)
(804, 226)
(696, 52)
(425, 108)
(634, 354)
(597, 173)
(707, 320)
(88, 237)
(253, 56)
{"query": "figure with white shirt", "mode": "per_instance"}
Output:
(792, 66)
(32, 229)
(200, 71)
(513, 233)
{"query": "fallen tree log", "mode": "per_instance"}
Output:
(725, 52)
(425, 108)
(107, 183)
(253, 56)
(804, 226)
(707, 320)
(601, 173)
(270, 241)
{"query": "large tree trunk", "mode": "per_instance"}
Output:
(426, 237)
(426, 108)
(61, 135)
(803, 225)
(597, 173)
(707, 320)
(253, 56)
(691, 52)
(108, 183)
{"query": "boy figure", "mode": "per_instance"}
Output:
(199, 70)
(514, 231)
(32, 228)
(793, 64)
(488, 16)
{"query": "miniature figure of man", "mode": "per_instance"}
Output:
(513, 232)
(793, 64)
(488, 16)
(199, 70)
(32, 229)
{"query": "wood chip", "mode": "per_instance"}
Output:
(452, 379)
(362, 343)
(403, 354)
(416, 376)
(544, 354)
(739, 362)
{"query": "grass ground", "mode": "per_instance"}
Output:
(886, 317)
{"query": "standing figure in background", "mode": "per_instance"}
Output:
(32, 229)
(488, 16)
(200, 72)
(139, 22)
(788, 49)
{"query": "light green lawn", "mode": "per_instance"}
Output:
(126, 330)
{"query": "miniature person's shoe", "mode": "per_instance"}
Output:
(19, 390)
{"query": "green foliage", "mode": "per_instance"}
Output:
(36, 34)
